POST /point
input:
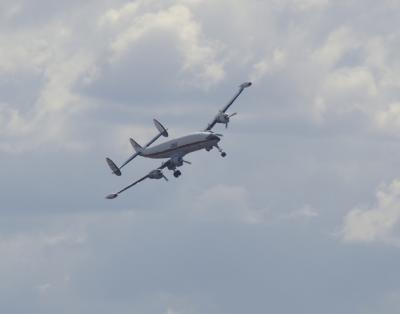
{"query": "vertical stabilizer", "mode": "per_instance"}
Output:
(113, 167)
(136, 146)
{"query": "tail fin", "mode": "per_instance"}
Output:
(136, 146)
(113, 167)
(163, 131)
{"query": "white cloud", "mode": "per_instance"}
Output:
(306, 211)
(222, 202)
(305, 63)
(115, 16)
(70, 53)
(44, 53)
(357, 74)
(377, 223)
(199, 54)
(339, 42)
(389, 119)
(346, 90)
(347, 80)
(310, 4)
(64, 56)
(268, 65)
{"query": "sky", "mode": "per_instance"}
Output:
(302, 216)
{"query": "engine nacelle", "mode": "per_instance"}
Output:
(156, 174)
(223, 118)
(177, 161)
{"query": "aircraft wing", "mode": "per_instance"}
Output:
(217, 118)
(154, 174)
(112, 196)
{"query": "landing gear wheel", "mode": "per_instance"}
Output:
(223, 154)
(177, 173)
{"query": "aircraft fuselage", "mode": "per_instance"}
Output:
(182, 145)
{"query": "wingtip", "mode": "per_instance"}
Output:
(111, 196)
(246, 84)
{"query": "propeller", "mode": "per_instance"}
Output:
(157, 174)
(228, 118)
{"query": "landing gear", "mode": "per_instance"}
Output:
(223, 154)
(177, 173)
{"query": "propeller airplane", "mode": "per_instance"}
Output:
(176, 149)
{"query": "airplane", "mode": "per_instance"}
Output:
(176, 149)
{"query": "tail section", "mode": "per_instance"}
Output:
(138, 149)
(113, 167)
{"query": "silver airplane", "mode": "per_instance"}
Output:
(177, 148)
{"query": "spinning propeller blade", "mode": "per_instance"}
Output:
(229, 116)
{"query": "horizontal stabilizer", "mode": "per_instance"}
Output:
(113, 167)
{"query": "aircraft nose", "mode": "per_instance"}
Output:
(213, 137)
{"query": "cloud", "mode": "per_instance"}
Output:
(310, 4)
(223, 202)
(387, 303)
(63, 67)
(42, 115)
(131, 26)
(389, 119)
(268, 65)
(37, 265)
(377, 223)
(305, 212)
(114, 57)
(78, 79)
(70, 69)
(358, 77)
(339, 43)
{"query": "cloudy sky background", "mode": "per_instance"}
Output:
(302, 216)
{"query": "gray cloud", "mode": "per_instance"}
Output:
(315, 135)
